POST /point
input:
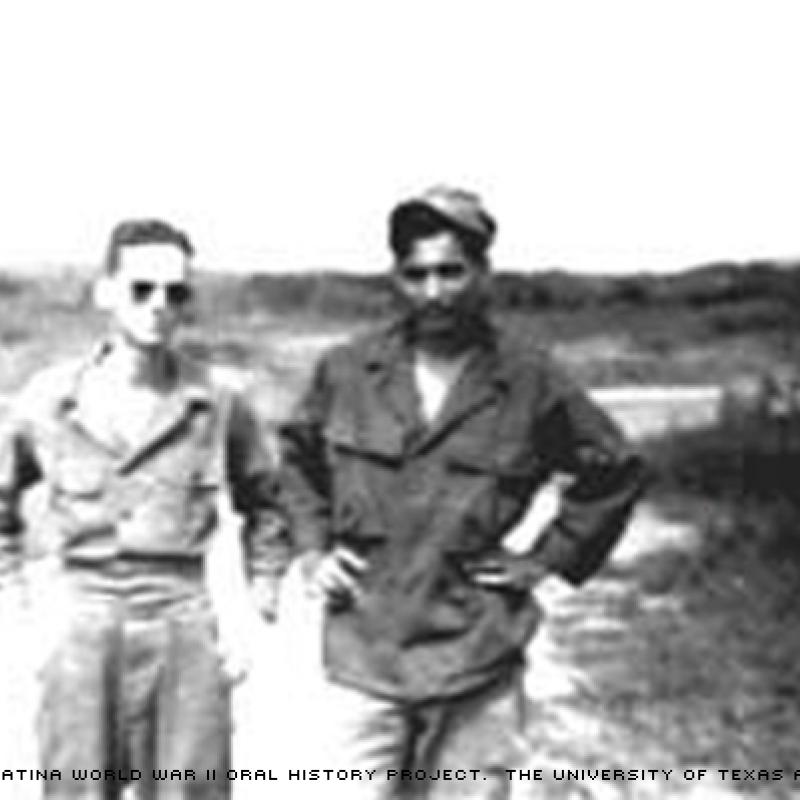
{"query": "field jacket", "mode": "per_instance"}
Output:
(420, 502)
(154, 502)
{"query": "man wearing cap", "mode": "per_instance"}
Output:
(140, 451)
(416, 450)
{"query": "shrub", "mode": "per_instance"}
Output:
(11, 286)
(747, 465)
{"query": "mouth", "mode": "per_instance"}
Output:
(436, 312)
(156, 327)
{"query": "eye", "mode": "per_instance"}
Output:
(451, 271)
(141, 290)
(414, 274)
(178, 294)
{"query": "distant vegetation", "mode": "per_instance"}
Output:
(740, 295)
(607, 330)
(724, 285)
(711, 324)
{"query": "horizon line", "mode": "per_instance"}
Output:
(38, 268)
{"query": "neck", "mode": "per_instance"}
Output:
(141, 367)
(445, 349)
(453, 344)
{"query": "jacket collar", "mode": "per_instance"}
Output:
(192, 392)
(192, 386)
(388, 364)
(390, 346)
(388, 359)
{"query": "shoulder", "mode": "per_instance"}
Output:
(524, 356)
(219, 386)
(49, 386)
(532, 369)
(359, 350)
(42, 397)
(204, 377)
(229, 392)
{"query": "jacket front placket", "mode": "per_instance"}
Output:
(481, 384)
(170, 420)
(124, 489)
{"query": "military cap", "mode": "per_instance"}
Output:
(459, 208)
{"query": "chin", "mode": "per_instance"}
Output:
(152, 342)
(436, 329)
(435, 324)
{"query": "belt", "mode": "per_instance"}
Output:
(144, 583)
(191, 568)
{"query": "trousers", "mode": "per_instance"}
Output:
(135, 695)
(456, 747)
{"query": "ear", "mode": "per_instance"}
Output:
(104, 292)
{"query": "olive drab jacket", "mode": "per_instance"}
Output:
(108, 502)
(424, 502)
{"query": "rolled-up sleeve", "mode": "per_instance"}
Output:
(607, 478)
(305, 472)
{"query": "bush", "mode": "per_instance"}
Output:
(748, 455)
(11, 286)
(752, 317)
(747, 465)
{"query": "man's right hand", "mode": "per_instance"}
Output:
(335, 575)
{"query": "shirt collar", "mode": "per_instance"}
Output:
(192, 386)
(390, 348)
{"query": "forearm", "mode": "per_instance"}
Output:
(606, 478)
(593, 515)
(10, 560)
(264, 535)
(268, 545)
(304, 487)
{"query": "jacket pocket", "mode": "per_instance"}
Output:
(504, 460)
(184, 468)
(508, 481)
(354, 463)
(372, 433)
(176, 499)
(183, 484)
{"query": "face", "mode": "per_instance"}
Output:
(444, 289)
(149, 293)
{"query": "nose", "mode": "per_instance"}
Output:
(158, 299)
(432, 288)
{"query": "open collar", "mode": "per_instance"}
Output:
(388, 359)
(191, 392)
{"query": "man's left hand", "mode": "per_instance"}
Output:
(265, 594)
(235, 646)
(508, 571)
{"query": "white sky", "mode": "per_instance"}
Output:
(605, 136)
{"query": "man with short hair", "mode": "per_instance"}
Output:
(138, 447)
(415, 452)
